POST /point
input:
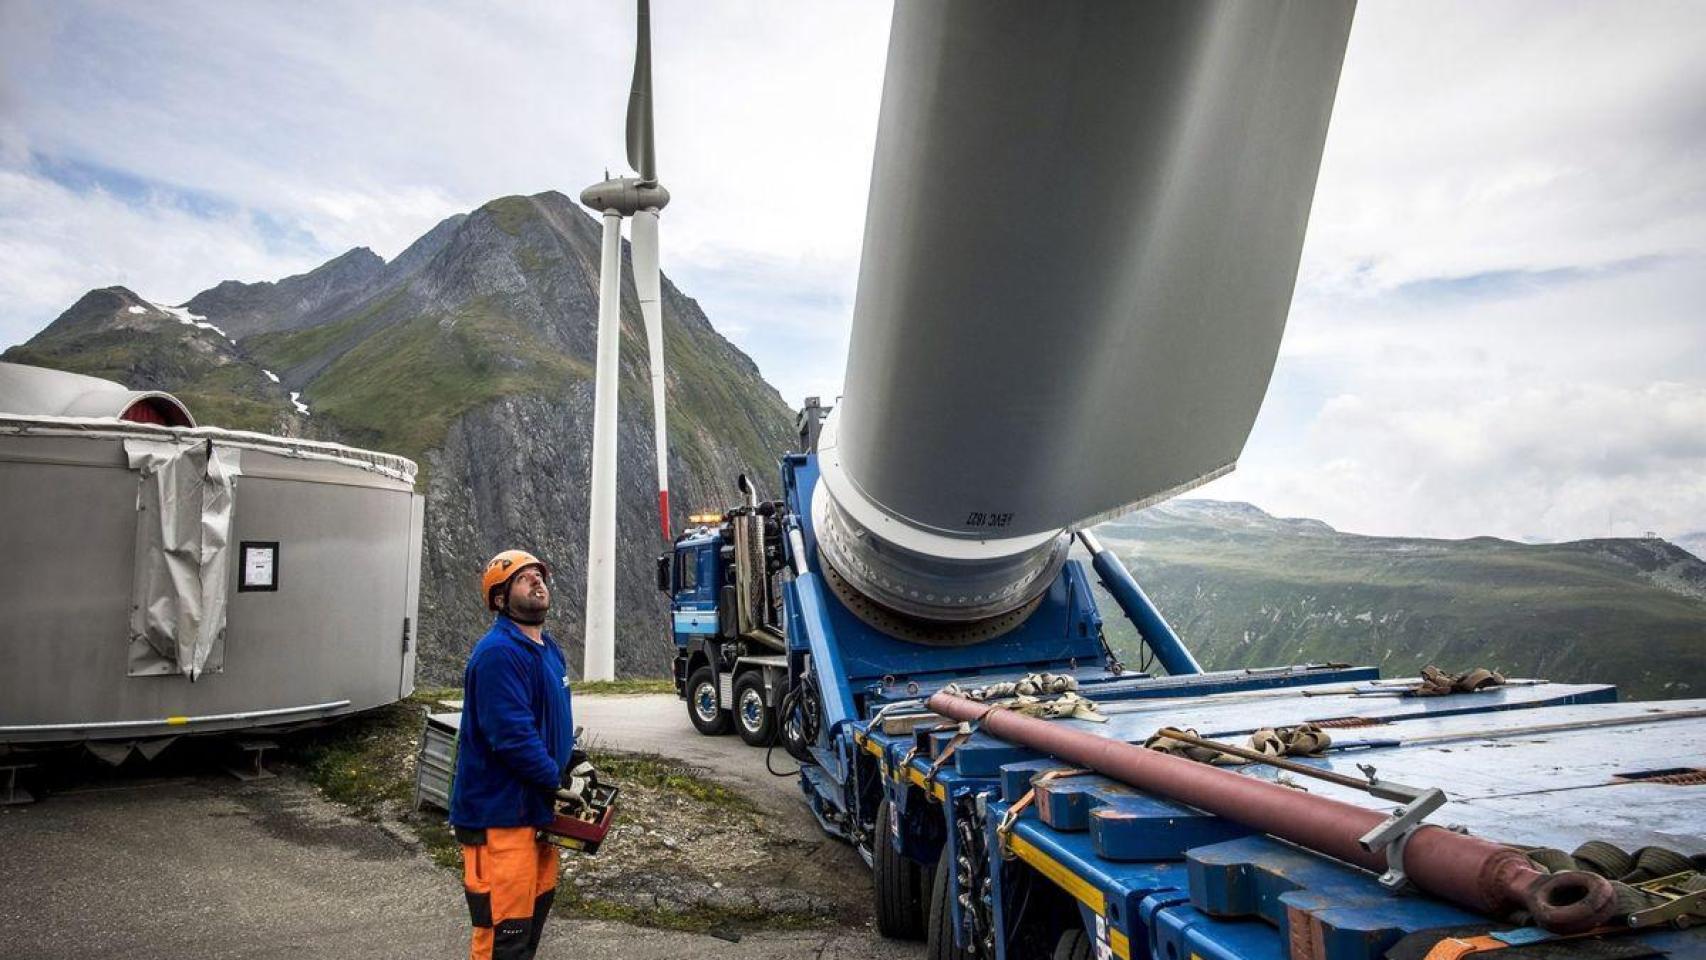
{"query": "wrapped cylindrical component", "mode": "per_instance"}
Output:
(37, 391)
(1083, 231)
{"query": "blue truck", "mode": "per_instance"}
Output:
(984, 847)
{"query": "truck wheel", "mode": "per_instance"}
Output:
(754, 720)
(704, 707)
(898, 884)
(1074, 944)
(939, 932)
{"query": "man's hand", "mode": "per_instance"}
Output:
(578, 781)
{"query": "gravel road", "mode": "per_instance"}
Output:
(203, 865)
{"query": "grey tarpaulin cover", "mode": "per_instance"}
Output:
(184, 503)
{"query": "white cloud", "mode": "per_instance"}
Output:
(1472, 138)
(1537, 413)
(57, 244)
(1497, 327)
(365, 124)
(1591, 460)
(1508, 243)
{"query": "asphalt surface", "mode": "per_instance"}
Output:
(202, 865)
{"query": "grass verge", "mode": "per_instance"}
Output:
(602, 687)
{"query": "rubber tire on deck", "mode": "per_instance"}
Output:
(710, 728)
(897, 885)
(939, 931)
(766, 732)
(1074, 944)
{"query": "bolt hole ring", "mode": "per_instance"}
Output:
(1573, 901)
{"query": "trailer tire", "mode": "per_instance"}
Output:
(754, 719)
(939, 933)
(1074, 944)
(708, 715)
(898, 884)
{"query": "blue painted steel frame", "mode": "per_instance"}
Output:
(1167, 910)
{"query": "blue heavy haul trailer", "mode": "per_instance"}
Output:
(986, 847)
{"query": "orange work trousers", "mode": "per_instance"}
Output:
(510, 881)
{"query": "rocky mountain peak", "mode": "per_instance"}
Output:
(246, 309)
(98, 310)
(472, 353)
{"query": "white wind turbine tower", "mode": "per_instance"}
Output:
(642, 198)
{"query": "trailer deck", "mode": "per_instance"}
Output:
(1534, 764)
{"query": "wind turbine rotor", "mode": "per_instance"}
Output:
(641, 198)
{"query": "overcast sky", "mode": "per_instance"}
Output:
(1498, 326)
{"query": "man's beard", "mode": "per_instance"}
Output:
(525, 610)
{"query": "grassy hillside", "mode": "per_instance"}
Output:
(402, 388)
(1245, 589)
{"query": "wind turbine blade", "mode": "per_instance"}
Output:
(1115, 349)
(645, 249)
(1130, 354)
(600, 662)
(642, 154)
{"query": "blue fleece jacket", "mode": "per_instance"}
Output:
(517, 733)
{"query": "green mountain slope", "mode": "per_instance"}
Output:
(472, 353)
(1246, 589)
(114, 334)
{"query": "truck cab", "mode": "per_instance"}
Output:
(721, 576)
(690, 575)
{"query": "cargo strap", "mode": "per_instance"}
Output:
(1655, 886)
(1005, 828)
(1438, 683)
(1302, 740)
(1530, 943)
(962, 736)
(1681, 901)
(1456, 948)
(1030, 685)
(899, 771)
(1027, 694)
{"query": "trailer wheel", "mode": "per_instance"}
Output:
(1074, 944)
(755, 721)
(704, 705)
(898, 884)
(939, 932)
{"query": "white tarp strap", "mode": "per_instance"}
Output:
(183, 538)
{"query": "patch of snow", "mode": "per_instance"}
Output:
(271, 376)
(296, 398)
(189, 319)
(138, 309)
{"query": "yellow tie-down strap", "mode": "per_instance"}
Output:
(1081, 889)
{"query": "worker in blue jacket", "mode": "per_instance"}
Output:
(516, 742)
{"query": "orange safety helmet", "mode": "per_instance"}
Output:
(503, 567)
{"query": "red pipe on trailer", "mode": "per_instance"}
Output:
(1470, 871)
